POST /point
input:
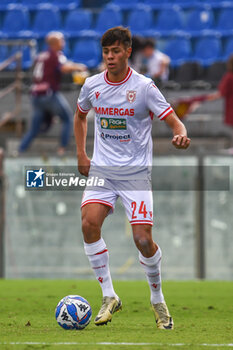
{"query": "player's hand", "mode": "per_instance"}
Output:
(181, 141)
(80, 67)
(84, 164)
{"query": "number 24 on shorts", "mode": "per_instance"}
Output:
(141, 210)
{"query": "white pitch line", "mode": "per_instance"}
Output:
(115, 344)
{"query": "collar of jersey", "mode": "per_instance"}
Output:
(128, 75)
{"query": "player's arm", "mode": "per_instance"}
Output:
(65, 66)
(214, 96)
(159, 106)
(180, 139)
(80, 132)
(70, 67)
(223, 88)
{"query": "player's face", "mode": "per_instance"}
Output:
(61, 43)
(116, 57)
(58, 44)
(148, 51)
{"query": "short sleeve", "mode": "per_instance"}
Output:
(156, 102)
(62, 59)
(84, 104)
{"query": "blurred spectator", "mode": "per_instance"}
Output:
(153, 62)
(225, 90)
(47, 101)
(135, 59)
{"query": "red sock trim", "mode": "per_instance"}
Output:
(103, 251)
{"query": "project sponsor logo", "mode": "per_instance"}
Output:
(47, 180)
(116, 137)
(35, 178)
(113, 123)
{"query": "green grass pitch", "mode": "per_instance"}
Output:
(202, 312)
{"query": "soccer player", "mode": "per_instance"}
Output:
(124, 103)
(47, 101)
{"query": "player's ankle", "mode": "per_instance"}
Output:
(157, 298)
(110, 295)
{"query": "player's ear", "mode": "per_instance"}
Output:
(129, 51)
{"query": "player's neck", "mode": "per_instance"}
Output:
(115, 78)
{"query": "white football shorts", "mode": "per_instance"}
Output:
(135, 195)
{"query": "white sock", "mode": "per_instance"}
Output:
(98, 256)
(153, 273)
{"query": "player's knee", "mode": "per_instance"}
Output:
(143, 241)
(89, 227)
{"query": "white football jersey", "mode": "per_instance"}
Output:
(123, 118)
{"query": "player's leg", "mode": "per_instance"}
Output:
(63, 110)
(93, 215)
(36, 122)
(150, 258)
(139, 209)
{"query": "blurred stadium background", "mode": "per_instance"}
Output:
(40, 232)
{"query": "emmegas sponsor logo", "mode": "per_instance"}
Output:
(113, 123)
(116, 137)
(115, 111)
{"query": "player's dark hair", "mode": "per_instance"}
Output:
(149, 42)
(117, 34)
(137, 45)
(230, 64)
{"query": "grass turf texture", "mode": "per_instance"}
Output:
(202, 312)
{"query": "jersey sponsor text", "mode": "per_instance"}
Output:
(115, 111)
(113, 123)
(121, 138)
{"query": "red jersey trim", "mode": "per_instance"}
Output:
(151, 115)
(97, 201)
(165, 113)
(82, 110)
(165, 116)
(141, 222)
(128, 75)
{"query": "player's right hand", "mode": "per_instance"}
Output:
(181, 141)
(84, 164)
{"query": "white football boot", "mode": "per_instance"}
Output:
(162, 316)
(109, 306)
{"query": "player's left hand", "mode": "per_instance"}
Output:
(181, 141)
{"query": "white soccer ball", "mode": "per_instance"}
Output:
(73, 312)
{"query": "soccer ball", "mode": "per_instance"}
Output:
(73, 312)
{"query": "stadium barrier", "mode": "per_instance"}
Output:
(2, 214)
(200, 220)
(43, 237)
